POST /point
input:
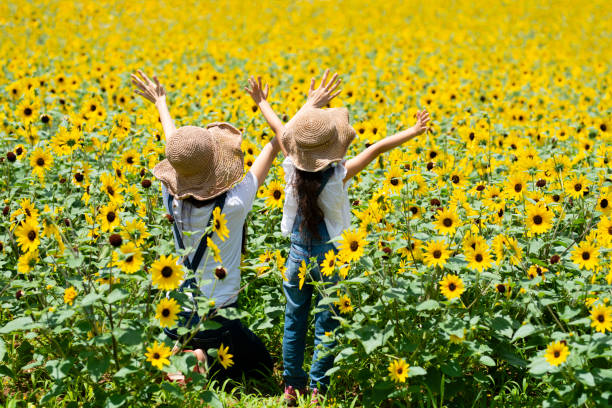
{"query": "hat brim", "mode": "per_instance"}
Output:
(228, 168)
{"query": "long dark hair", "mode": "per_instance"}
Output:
(306, 185)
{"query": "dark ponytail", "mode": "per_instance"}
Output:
(306, 186)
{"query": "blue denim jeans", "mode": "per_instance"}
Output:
(297, 311)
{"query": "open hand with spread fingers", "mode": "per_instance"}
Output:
(420, 126)
(321, 96)
(150, 90)
(255, 89)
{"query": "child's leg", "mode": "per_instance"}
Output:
(323, 359)
(296, 323)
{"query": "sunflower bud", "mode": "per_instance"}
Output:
(220, 273)
(115, 240)
(146, 183)
(11, 156)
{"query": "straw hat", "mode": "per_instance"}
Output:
(202, 163)
(315, 137)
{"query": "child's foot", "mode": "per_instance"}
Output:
(291, 395)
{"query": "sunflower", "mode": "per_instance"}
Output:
(586, 255)
(516, 186)
(344, 304)
(108, 217)
(166, 312)
(27, 111)
(436, 253)
(604, 230)
(158, 355)
(166, 273)
(451, 286)
(604, 203)
(224, 357)
(536, 270)
(111, 188)
(131, 258)
(539, 219)
(275, 195)
(601, 315)
(214, 249)
(302, 273)
(69, 295)
(576, 186)
(135, 230)
(352, 245)
(26, 208)
(328, 266)
(556, 353)
(505, 246)
(398, 370)
(130, 160)
(27, 261)
(447, 221)
(41, 161)
(268, 261)
(394, 181)
(220, 224)
(479, 258)
(27, 234)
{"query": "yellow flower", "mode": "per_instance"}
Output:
(538, 219)
(225, 358)
(302, 273)
(394, 181)
(166, 312)
(577, 186)
(275, 194)
(536, 270)
(210, 245)
(131, 258)
(220, 224)
(398, 370)
(436, 253)
(111, 188)
(135, 230)
(451, 286)
(556, 353)
(601, 315)
(41, 161)
(69, 295)
(586, 255)
(27, 234)
(328, 266)
(447, 221)
(27, 261)
(516, 186)
(352, 245)
(166, 273)
(344, 304)
(478, 258)
(158, 355)
(108, 217)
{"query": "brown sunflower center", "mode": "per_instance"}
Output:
(394, 181)
(604, 203)
(354, 246)
(478, 258)
(166, 272)
(557, 353)
(110, 217)
(537, 219)
(601, 318)
(586, 255)
(32, 235)
(129, 259)
(156, 356)
(577, 186)
(437, 254)
(276, 194)
(40, 161)
(27, 111)
(452, 287)
(518, 187)
(165, 312)
(447, 222)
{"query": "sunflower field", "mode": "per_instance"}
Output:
(477, 269)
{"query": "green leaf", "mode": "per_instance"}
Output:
(451, 369)
(115, 401)
(428, 305)
(19, 324)
(130, 337)
(117, 295)
(539, 366)
(58, 369)
(125, 371)
(486, 360)
(586, 378)
(502, 325)
(523, 331)
(97, 366)
(415, 371)
(211, 399)
(2, 349)
(90, 299)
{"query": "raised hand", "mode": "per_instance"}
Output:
(323, 95)
(420, 126)
(150, 90)
(256, 91)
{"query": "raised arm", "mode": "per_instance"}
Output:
(154, 92)
(359, 162)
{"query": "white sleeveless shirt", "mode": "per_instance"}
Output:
(333, 201)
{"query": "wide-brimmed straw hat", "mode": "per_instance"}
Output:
(202, 162)
(314, 138)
